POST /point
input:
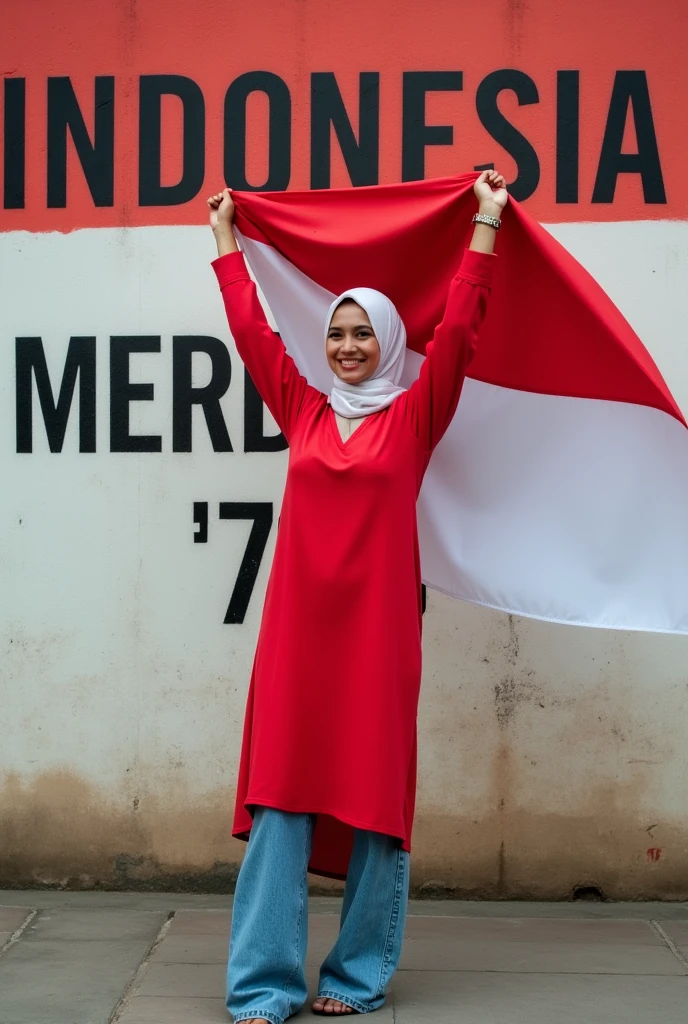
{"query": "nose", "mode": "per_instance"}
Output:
(349, 344)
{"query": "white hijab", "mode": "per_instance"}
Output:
(380, 390)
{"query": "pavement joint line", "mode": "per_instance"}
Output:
(18, 932)
(135, 983)
(669, 942)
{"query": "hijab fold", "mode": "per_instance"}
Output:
(380, 390)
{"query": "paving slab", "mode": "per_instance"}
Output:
(210, 948)
(162, 1010)
(677, 931)
(420, 954)
(462, 963)
(184, 980)
(146, 1008)
(12, 918)
(74, 974)
(573, 909)
(490, 998)
(174, 1010)
(191, 949)
(95, 925)
(522, 929)
(630, 947)
(200, 922)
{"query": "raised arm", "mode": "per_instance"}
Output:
(432, 399)
(272, 370)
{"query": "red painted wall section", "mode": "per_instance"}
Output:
(629, 59)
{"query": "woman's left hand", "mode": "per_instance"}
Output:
(490, 190)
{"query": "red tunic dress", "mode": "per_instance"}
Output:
(330, 725)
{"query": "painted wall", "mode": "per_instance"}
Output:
(550, 757)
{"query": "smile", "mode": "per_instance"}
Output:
(350, 364)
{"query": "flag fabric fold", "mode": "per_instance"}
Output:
(560, 490)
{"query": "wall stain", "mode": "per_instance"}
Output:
(59, 832)
(515, 14)
(546, 857)
(518, 684)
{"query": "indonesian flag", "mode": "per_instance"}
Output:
(560, 490)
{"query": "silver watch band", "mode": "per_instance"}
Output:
(485, 218)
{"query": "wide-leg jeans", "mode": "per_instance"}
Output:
(265, 973)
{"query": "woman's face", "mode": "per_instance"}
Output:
(352, 349)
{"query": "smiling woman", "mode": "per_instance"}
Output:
(353, 351)
(366, 347)
(344, 809)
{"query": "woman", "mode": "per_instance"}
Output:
(328, 765)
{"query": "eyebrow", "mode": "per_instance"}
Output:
(358, 327)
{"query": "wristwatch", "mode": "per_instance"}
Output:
(485, 218)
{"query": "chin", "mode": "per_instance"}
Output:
(353, 380)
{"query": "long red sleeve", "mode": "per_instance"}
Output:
(432, 399)
(273, 371)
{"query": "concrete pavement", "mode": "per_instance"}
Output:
(118, 958)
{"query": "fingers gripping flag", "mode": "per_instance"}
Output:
(560, 490)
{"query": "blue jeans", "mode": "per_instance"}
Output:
(265, 974)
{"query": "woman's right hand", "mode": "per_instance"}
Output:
(221, 210)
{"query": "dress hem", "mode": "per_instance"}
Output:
(243, 833)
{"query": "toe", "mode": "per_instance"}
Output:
(327, 1005)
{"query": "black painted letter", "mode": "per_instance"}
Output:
(14, 131)
(185, 396)
(122, 392)
(97, 158)
(416, 134)
(327, 107)
(568, 88)
(629, 86)
(81, 360)
(279, 131)
(151, 90)
(503, 132)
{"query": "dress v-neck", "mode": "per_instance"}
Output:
(344, 442)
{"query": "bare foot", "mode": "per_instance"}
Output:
(325, 1005)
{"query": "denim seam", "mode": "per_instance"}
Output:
(299, 923)
(393, 919)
